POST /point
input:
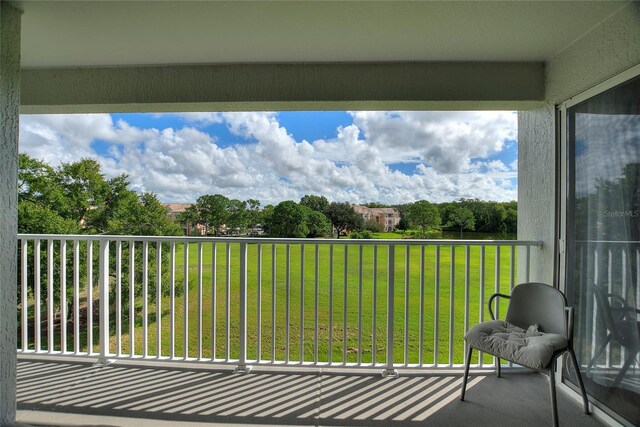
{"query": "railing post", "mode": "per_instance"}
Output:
(242, 367)
(389, 371)
(103, 301)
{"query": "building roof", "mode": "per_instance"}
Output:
(177, 207)
(364, 209)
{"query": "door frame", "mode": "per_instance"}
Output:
(561, 214)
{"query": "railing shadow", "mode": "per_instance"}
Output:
(202, 394)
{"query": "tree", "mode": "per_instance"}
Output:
(212, 211)
(189, 219)
(289, 219)
(490, 217)
(344, 218)
(37, 219)
(376, 205)
(461, 218)
(76, 198)
(266, 218)
(316, 203)
(37, 183)
(373, 226)
(511, 221)
(424, 215)
(318, 224)
(253, 213)
(83, 189)
(152, 219)
(403, 224)
(117, 213)
(237, 216)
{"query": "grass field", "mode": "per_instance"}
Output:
(340, 294)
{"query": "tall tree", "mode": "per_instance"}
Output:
(266, 218)
(344, 218)
(237, 216)
(84, 188)
(115, 213)
(152, 219)
(461, 218)
(289, 219)
(37, 183)
(212, 211)
(424, 215)
(40, 199)
(314, 202)
(318, 224)
(253, 213)
(511, 221)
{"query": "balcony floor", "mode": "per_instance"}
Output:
(65, 392)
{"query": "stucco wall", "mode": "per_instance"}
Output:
(9, 108)
(607, 50)
(536, 190)
(610, 48)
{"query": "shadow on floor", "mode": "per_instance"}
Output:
(199, 394)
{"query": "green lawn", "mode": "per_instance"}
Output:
(302, 300)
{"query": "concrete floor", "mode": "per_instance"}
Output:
(66, 393)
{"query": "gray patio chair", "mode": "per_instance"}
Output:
(538, 328)
(623, 327)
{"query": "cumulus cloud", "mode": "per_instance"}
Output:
(201, 119)
(452, 152)
(447, 141)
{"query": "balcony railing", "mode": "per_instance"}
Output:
(615, 266)
(261, 301)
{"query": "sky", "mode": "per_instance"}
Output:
(359, 156)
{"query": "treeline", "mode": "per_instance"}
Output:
(462, 215)
(313, 216)
(75, 198)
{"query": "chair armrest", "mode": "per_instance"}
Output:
(625, 310)
(491, 298)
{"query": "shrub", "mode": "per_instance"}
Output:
(365, 234)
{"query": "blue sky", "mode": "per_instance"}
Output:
(390, 157)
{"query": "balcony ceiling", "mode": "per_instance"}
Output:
(111, 33)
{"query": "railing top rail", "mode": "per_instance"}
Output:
(610, 242)
(272, 240)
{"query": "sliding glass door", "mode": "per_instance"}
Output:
(602, 226)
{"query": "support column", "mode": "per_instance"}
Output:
(9, 116)
(537, 191)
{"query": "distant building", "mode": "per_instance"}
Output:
(173, 209)
(388, 217)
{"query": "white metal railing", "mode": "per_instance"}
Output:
(247, 301)
(615, 266)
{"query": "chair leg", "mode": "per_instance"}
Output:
(498, 367)
(583, 391)
(466, 373)
(598, 352)
(624, 369)
(552, 390)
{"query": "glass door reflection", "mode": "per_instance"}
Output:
(603, 244)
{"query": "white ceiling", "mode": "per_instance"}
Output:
(111, 33)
